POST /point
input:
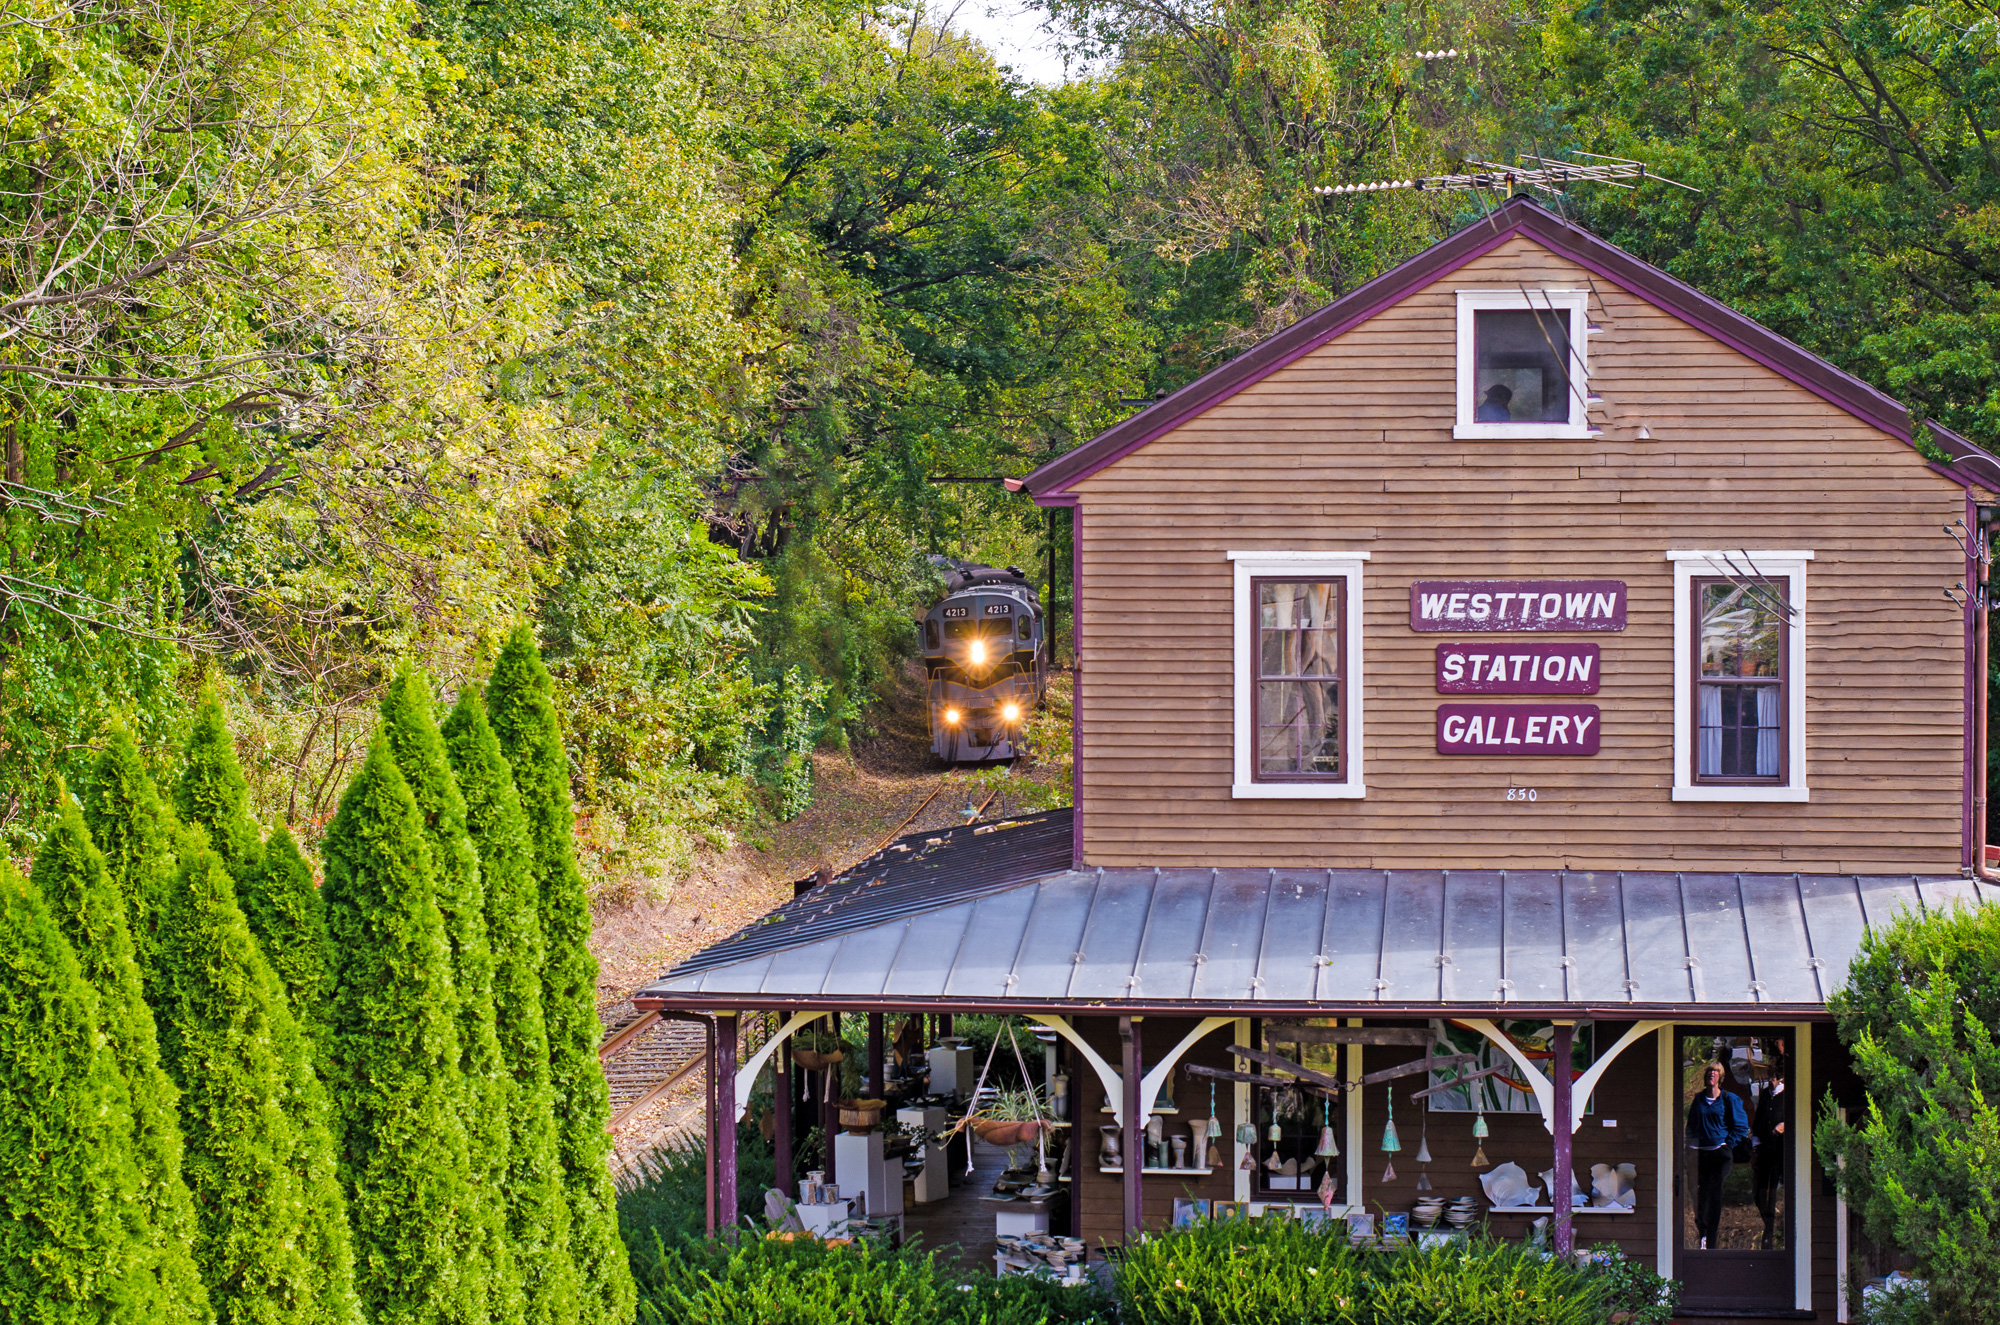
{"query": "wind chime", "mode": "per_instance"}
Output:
(1390, 1142)
(1424, 1152)
(1213, 1159)
(1479, 1133)
(1246, 1140)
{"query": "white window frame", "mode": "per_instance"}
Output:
(1789, 566)
(1576, 304)
(1344, 566)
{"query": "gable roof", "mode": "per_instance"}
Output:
(1519, 215)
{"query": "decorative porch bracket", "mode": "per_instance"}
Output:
(1149, 1085)
(1539, 1083)
(747, 1077)
(1586, 1083)
(1114, 1085)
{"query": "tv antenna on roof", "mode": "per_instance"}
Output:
(1531, 171)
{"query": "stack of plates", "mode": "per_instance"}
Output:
(1426, 1212)
(1462, 1211)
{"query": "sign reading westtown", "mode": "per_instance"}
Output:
(1506, 668)
(1469, 605)
(1517, 729)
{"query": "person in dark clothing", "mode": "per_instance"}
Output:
(1494, 409)
(1716, 1125)
(1767, 1168)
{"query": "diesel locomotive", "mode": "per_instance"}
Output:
(986, 654)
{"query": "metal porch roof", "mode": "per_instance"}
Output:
(961, 923)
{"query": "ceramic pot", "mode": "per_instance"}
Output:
(1199, 1129)
(1180, 1152)
(1108, 1150)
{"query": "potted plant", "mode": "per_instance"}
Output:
(815, 1049)
(1011, 1117)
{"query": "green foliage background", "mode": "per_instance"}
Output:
(669, 329)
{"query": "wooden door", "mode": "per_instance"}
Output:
(1735, 1245)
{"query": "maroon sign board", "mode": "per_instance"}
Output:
(1474, 605)
(1517, 729)
(1507, 668)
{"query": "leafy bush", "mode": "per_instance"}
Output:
(1922, 1166)
(1278, 1272)
(761, 1282)
(1634, 1294)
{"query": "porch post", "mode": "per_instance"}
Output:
(782, 1105)
(1559, 1194)
(1133, 1146)
(875, 1088)
(829, 1105)
(708, 1102)
(725, 1125)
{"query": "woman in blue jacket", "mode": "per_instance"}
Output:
(1716, 1125)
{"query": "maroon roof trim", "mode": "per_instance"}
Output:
(1517, 216)
(1971, 464)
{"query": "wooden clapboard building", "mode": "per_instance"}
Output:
(1524, 657)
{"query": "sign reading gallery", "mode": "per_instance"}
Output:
(1517, 729)
(1468, 605)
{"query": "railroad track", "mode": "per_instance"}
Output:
(646, 1058)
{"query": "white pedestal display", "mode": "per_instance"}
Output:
(828, 1220)
(952, 1070)
(861, 1170)
(933, 1183)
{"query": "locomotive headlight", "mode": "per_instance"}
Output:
(951, 717)
(978, 654)
(1011, 712)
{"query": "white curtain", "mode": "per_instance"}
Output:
(1709, 729)
(1767, 731)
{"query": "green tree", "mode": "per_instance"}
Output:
(271, 1228)
(538, 1213)
(76, 887)
(212, 795)
(285, 914)
(1921, 1014)
(134, 828)
(524, 722)
(409, 726)
(74, 1248)
(392, 1059)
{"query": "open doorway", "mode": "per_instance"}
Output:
(1733, 1182)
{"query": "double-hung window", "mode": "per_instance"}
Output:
(1739, 683)
(1298, 659)
(1521, 364)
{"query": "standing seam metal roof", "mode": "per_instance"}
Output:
(981, 916)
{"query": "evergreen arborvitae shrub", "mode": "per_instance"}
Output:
(74, 1248)
(212, 795)
(135, 829)
(418, 748)
(74, 883)
(523, 714)
(391, 1058)
(537, 1211)
(271, 1228)
(283, 908)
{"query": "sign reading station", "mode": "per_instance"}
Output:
(1468, 605)
(1517, 669)
(1517, 729)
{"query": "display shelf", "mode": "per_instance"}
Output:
(1549, 1210)
(1148, 1169)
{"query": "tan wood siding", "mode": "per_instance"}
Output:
(1350, 448)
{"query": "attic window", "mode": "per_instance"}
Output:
(1521, 364)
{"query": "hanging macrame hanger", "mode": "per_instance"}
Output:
(973, 1107)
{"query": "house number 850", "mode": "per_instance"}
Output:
(1520, 793)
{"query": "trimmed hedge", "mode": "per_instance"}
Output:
(76, 886)
(537, 1211)
(523, 714)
